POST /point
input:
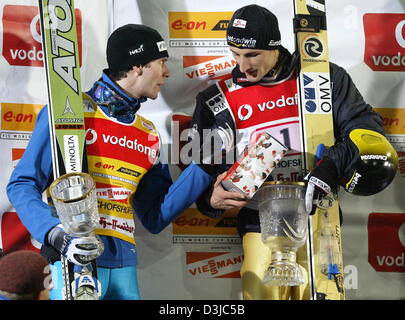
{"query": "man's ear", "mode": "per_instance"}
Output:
(138, 69)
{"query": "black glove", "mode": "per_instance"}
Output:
(322, 185)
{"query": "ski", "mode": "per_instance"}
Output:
(323, 261)
(65, 102)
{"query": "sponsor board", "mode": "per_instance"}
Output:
(19, 116)
(393, 120)
(195, 25)
(19, 238)
(192, 227)
(384, 41)
(207, 67)
(394, 126)
(22, 42)
(16, 155)
(386, 241)
(208, 265)
(401, 167)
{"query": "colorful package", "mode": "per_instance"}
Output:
(254, 165)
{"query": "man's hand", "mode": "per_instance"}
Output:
(225, 200)
(321, 186)
(79, 251)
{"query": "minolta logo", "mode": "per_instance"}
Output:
(136, 51)
(354, 182)
(374, 157)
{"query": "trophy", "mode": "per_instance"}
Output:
(284, 223)
(75, 201)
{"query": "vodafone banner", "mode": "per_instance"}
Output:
(384, 51)
(23, 90)
(197, 257)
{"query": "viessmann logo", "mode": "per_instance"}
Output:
(207, 67)
(206, 265)
(385, 41)
(22, 42)
(386, 241)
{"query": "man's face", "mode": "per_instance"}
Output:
(154, 75)
(255, 63)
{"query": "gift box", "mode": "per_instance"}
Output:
(254, 165)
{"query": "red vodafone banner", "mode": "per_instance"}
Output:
(386, 241)
(385, 41)
(22, 36)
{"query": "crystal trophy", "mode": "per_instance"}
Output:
(284, 223)
(75, 201)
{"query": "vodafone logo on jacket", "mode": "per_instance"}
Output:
(385, 41)
(121, 142)
(254, 105)
(386, 241)
(22, 42)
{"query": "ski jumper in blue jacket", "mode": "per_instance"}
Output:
(156, 200)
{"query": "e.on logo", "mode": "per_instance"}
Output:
(386, 241)
(198, 24)
(18, 116)
(385, 41)
(22, 42)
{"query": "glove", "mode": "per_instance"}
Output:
(322, 183)
(79, 251)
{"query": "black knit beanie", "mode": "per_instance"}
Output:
(253, 27)
(134, 44)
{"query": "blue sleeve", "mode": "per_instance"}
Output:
(158, 201)
(30, 178)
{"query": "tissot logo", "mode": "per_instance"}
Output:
(385, 41)
(22, 42)
(386, 241)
